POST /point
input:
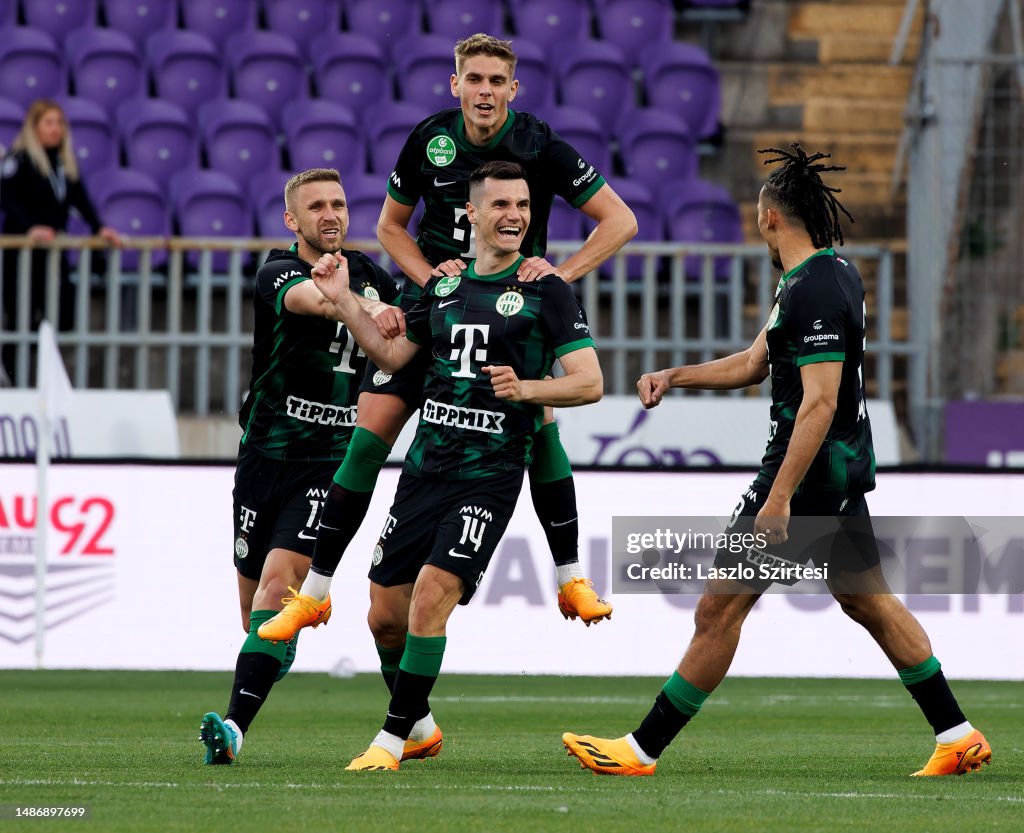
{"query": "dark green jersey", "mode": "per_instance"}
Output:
(306, 370)
(470, 322)
(820, 316)
(436, 162)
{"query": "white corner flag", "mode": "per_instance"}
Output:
(55, 398)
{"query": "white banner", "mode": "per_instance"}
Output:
(101, 423)
(140, 575)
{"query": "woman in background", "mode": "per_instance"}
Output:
(39, 184)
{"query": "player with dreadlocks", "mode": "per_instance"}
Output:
(818, 465)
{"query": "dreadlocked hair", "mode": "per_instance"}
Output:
(797, 189)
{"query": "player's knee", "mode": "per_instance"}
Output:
(859, 607)
(387, 627)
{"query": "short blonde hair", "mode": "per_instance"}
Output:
(481, 44)
(304, 177)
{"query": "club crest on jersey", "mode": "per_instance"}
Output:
(509, 303)
(774, 316)
(441, 151)
(371, 293)
(381, 378)
(446, 286)
(378, 554)
(241, 547)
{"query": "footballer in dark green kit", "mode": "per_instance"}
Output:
(492, 339)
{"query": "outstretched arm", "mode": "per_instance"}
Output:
(739, 370)
(330, 274)
(616, 226)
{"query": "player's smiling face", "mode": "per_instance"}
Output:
(501, 213)
(319, 214)
(484, 88)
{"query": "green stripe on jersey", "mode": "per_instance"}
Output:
(820, 357)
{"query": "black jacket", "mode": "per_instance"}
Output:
(30, 198)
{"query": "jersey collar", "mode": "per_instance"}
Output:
(463, 140)
(782, 281)
(504, 274)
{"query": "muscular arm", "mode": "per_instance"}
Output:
(814, 417)
(330, 276)
(582, 383)
(739, 370)
(393, 234)
(305, 299)
(616, 226)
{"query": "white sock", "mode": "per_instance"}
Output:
(238, 734)
(954, 734)
(567, 572)
(316, 585)
(423, 728)
(641, 756)
(392, 743)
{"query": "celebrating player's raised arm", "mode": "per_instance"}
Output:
(330, 274)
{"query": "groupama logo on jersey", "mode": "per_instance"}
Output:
(446, 286)
(441, 151)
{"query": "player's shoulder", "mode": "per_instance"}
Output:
(282, 266)
(445, 120)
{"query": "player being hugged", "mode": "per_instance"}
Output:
(492, 340)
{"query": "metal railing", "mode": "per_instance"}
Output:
(188, 328)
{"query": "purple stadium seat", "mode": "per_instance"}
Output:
(266, 69)
(239, 138)
(551, 24)
(131, 202)
(187, 68)
(138, 19)
(457, 19)
(105, 67)
(92, 133)
(303, 20)
(8, 12)
(701, 212)
(322, 134)
(637, 27)
(593, 76)
(364, 194)
(385, 22)
(536, 92)
(12, 115)
(219, 19)
(30, 65)
(388, 127)
(423, 68)
(650, 224)
(656, 146)
(59, 17)
(209, 204)
(266, 196)
(584, 132)
(564, 222)
(680, 78)
(159, 138)
(350, 70)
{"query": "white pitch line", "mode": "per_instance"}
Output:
(249, 785)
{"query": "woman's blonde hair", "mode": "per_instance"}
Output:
(28, 140)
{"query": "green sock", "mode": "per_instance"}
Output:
(254, 645)
(920, 672)
(550, 462)
(683, 695)
(365, 457)
(423, 655)
(290, 649)
(389, 660)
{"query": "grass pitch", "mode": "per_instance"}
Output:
(764, 755)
